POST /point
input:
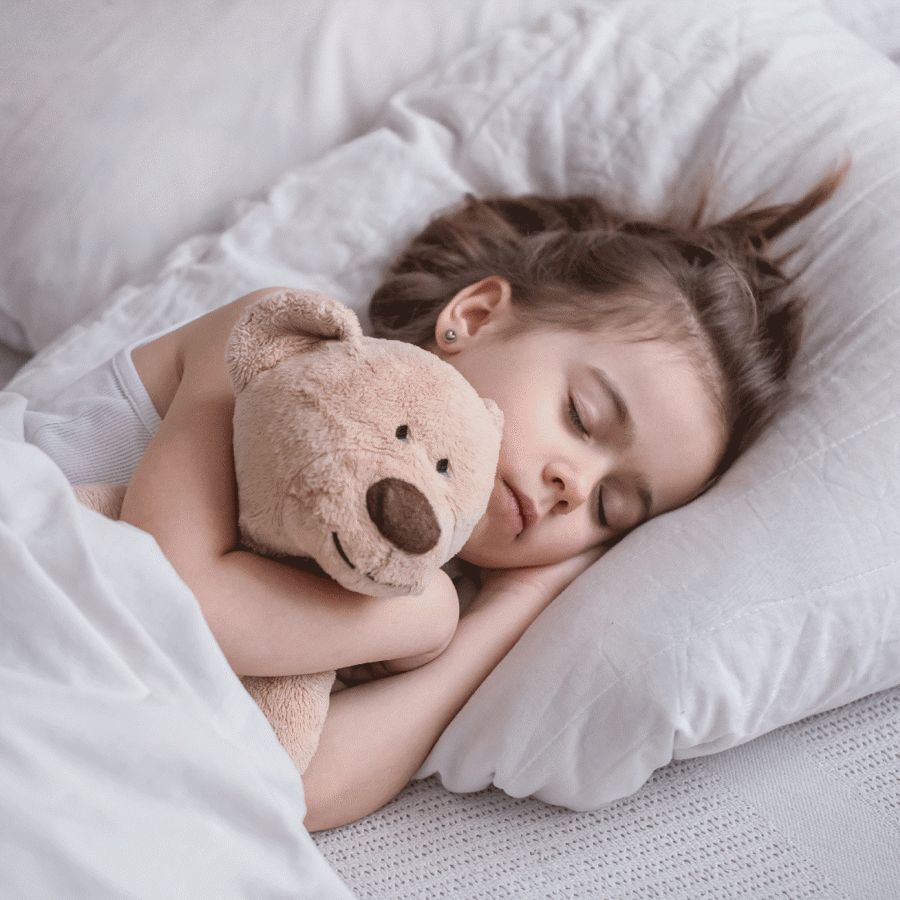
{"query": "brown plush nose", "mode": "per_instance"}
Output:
(403, 515)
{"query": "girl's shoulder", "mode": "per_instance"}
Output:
(195, 351)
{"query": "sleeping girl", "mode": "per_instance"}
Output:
(633, 362)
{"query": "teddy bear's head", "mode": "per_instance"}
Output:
(373, 457)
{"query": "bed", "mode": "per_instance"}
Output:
(713, 710)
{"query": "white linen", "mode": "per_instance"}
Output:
(133, 763)
(129, 127)
(877, 22)
(775, 595)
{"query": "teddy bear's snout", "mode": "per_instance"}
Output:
(403, 515)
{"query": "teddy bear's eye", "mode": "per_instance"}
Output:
(402, 433)
(443, 466)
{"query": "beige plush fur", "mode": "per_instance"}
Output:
(372, 457)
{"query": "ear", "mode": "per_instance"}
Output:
(282, 323)
(496, 413)
(480, 308)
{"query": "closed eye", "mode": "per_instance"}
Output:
(575, 418)
(579, 426)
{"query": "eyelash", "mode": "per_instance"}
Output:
(575, 418)
(579, 427)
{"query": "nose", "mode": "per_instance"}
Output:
(403, 515)
(572, 483)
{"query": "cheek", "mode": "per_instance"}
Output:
(483, 546)
(566, 536)
(529, 436)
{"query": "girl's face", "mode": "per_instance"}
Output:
(601, 431)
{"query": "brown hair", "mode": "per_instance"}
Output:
(715, 289)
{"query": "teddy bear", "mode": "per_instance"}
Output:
(372, 458)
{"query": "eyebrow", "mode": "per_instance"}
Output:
(626, 422)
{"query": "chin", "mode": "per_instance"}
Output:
(496, 558)
(512, 558)
(485, 557)
(477, 558)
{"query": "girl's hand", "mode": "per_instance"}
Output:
(378, 733)
(534, 586)
(527, 592)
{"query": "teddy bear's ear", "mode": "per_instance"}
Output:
(496, 413)
(281, 324)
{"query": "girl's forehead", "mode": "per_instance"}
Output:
(647, 348)
(610, 339)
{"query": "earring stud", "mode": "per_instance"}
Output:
(450, 336)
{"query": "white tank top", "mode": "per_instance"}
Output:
(98, 428)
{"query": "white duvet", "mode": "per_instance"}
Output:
(132, 762)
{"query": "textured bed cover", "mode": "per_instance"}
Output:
(809, 811)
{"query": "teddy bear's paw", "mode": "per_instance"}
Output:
(104, 498)
(296, 706)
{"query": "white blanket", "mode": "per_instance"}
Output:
(133, 763)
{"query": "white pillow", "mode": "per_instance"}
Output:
(128, 127)
(876, 21)
(775, 595)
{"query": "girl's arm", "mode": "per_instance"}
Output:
(269, 617)
(378, 734)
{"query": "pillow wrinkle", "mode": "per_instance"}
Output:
(625, 677)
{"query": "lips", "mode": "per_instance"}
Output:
(522, 508)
